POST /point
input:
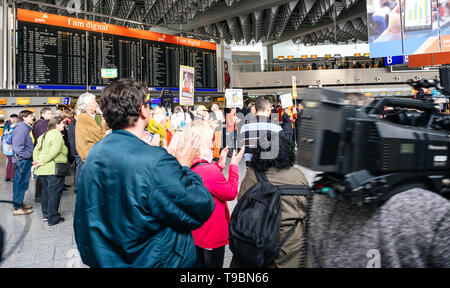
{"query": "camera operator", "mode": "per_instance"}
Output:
(411, 229)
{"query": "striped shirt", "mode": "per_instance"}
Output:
(256, 129)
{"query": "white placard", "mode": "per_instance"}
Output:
(235, 98)
(286, 100)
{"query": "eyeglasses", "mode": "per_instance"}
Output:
(147, 103)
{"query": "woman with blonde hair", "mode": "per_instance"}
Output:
(212, 237)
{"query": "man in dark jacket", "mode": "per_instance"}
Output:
(137, 204)
(39, 128)
(22, 146)
(73, 148)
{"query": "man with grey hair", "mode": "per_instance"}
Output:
(87, 131)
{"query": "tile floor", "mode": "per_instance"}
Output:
(31, 243)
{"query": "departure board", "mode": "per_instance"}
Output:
(111, 51)
(70, 52)
(50, 55)
(204, 62)
(161, 63)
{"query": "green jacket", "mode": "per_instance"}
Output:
(53, 151)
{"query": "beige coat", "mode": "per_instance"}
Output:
(87, 133)
(292, 209)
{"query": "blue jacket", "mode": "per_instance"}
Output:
(136, 206)
(22, 144)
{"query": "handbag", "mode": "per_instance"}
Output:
(62, 169)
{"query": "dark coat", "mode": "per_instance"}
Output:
(136, 206)
(287, 124)
(39, 128)
(71, 135)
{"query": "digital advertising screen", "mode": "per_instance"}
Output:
(408, 27)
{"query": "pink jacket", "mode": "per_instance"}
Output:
(214, 233)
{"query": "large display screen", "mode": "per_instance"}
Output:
(65, 52)
(408, 27)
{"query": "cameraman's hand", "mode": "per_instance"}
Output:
(236, 158)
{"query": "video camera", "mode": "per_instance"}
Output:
(368, 154)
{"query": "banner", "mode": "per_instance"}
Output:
(167, 100)
(187, 85)
(286, 100)
(69, 22)
(294, 87)
(235, 98)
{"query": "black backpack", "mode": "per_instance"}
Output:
(255, 222)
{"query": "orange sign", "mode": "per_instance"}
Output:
(69, 22)
(23, 101)
(357, 54)
(53, 100)
(290, 57)
(313, 56)
(304, 56)
(280, 57)
(3, 101)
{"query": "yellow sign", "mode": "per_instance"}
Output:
(357, 54)
(368, 94)
(366, 54)
(304, 56)
(327, 55)
(313, 56)
(53, 100)
(290, 57)
(221, 99)
(3, 101)
(294, 87)
(23, 101)
(280, 57)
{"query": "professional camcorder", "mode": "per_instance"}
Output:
(368, 154)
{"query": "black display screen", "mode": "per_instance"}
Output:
(54, 55)
(50, 55)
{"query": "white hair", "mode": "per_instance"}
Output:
(84, 100)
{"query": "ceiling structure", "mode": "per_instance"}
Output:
(308, 22)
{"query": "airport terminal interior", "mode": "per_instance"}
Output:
(106, 106)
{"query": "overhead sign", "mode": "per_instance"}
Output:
(187, 85)
(235, 98)
(53, 100)
(286, 100)
(3, 101)
(396, 60)
(109, 73)
(69, 22)
(67, 101)
(23, 101)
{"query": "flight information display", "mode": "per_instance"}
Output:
(50, 55)
(59, 50)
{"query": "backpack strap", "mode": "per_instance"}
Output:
(261, 176)
(300, 190)
(283, 241)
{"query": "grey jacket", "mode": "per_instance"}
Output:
(412, 229)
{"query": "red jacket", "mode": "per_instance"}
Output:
(214, 233)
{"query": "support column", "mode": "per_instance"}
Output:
(220, 68)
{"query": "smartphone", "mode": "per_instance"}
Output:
(418, 15)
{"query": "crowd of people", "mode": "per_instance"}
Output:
(151, 190)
